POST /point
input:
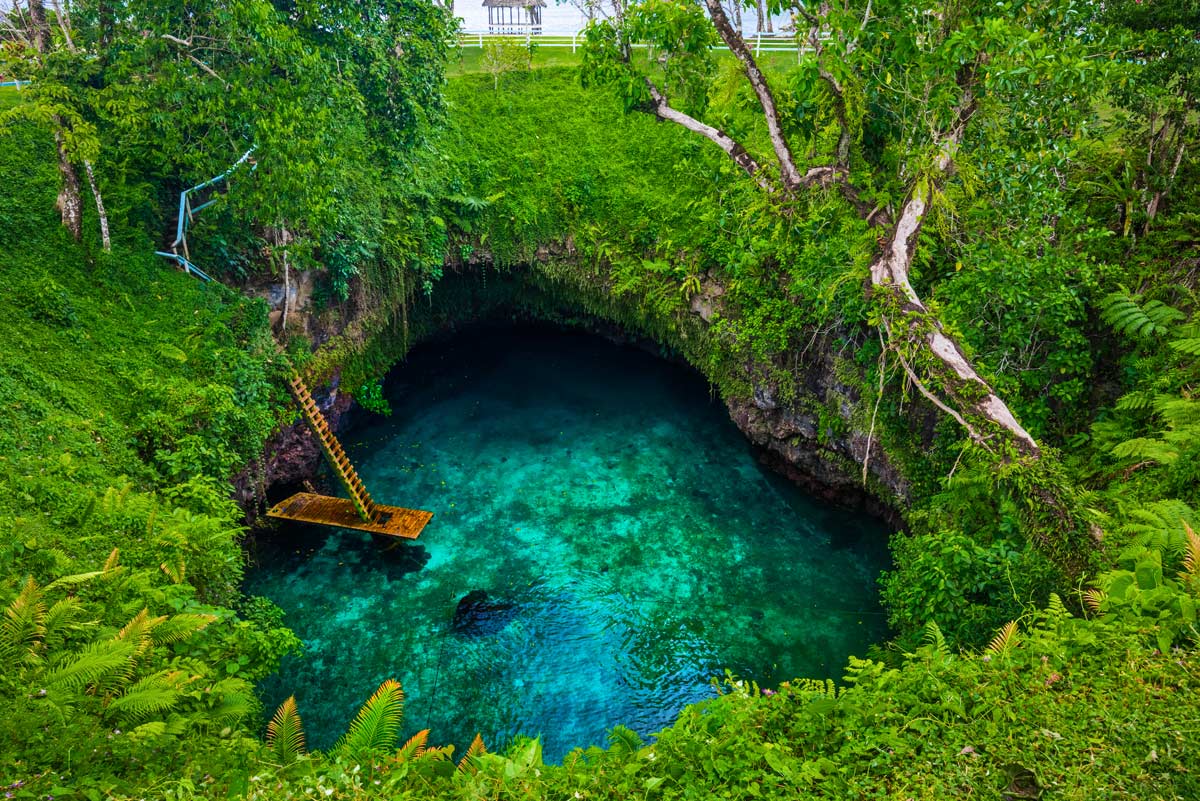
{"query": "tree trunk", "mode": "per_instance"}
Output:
(1157, 198)
(783, 152)
(40, 29)
(69, 203)
(87, 166)
(979, 410)
(287, 291)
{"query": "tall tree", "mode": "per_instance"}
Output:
(901, 89)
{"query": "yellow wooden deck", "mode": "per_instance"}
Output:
(391, 521)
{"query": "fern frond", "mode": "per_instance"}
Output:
(60, 619)
(179, 627)
(378, 721)
(1129, 316)
(1190, 346)
(1146, 449)
(1135, 401)
(138, 630)
(176, 572)
(113, 560)
(22, 627)
(624, 740)
(1160, 524)
(71, 581)
(1005, 640)
(233, 707)
(1092, 599)
(149, 696)
(933, 636)
(1191, 558)
(285, 732)
(1056, 608)
(414, 747)
(95, 662)
(469, 763)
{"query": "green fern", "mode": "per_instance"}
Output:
(1161, 525)
(377, 723)
(93, 664)
(22, 626)
(933, 636)
(285, 732)
(1005, 639)
(1129, 316)
(1146, 449)
(1135, 401)
(151, 695)
(470, 761)
(624, 741)
(1189, 346)
(178, 628)
(414, 747)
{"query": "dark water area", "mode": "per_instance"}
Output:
(604, 544)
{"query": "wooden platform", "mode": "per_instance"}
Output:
(391, 521)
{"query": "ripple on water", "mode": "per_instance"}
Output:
(629, 546)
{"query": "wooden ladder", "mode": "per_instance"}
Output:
(334, 453)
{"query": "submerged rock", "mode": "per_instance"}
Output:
(477, 616)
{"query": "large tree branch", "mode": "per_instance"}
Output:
(915, 323)
(664, 111)
(787, 165)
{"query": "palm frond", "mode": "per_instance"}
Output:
(378, 721)
(285, 732)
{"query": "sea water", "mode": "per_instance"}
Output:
(604, 544)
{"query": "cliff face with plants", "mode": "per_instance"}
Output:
(1045, 608)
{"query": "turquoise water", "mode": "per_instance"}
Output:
(629, 545)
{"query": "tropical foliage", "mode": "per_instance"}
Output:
(1044, 603)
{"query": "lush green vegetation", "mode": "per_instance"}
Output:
(1045, 608)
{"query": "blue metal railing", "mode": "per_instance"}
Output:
(187, 266)
(187, 213)
(17, 84)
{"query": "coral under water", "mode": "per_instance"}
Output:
(604, 543)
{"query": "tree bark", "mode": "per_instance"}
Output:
(787, 165)
(40, 33)
(914, 324)
(70, 203)
(1155, 202)
(732, 148)
(104, 237)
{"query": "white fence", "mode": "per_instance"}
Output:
(759, 42)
